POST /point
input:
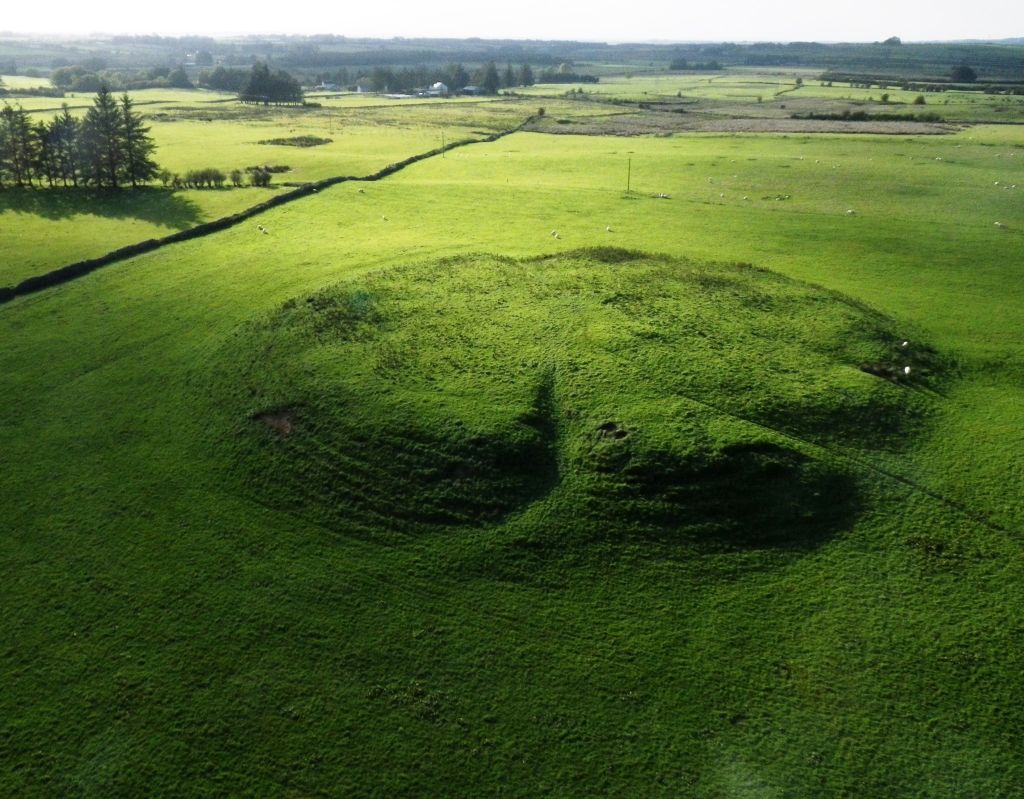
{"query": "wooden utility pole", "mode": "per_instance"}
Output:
(629, 173)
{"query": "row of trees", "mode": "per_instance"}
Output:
(455, 76)
(78, 78)
(108, 148)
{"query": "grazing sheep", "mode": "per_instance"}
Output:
(384, 218)
(607, 228)
(1000, 224)
(905, 344)
(361, 191)
(850, 212)
(260, 228)
(746, 198)
(554, 233)
(906, 371)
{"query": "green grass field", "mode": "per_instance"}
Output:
(738, 93)
(45, 230)
(412, 497)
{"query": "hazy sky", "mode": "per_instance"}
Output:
(626, 20)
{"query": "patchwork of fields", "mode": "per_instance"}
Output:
(494, 476)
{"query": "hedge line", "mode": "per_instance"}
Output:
(78, 269)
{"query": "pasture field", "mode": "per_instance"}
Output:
(493, 477)
(41, 230)
(739, 93)
(23, 82)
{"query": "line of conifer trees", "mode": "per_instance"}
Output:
(108, 148)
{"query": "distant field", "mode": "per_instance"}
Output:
(736, 92)
(23, 82)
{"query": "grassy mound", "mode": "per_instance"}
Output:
(601, 394)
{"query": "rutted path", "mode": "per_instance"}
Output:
(66, 274)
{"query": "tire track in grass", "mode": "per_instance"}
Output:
(73, 271)
(859, 462)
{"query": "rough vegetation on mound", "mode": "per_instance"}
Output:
(611, 394)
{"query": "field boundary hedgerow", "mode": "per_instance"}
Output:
(77, 269)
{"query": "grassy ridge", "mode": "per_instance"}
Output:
(628, 362)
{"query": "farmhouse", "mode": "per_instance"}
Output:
(436, 90)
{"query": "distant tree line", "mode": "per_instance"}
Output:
(86, 78)
(108, 148)
(455, 76)
(562, 75)
(34, 91)
(680, 64)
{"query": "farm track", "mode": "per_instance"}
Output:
(73, 271)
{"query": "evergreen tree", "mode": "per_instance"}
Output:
(526, 76)
(261, 86)
(139, 167)
(509, 78)
(3, 150)
(178, 79)
(102, 141)
(45, 158)
(18, 150)
(458, 78)
(963, 74)
(64, 132)
(490, 80)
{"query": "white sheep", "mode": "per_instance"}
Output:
(905, 344)
(850, 212)
(384, 219)
(607, 228)
(906, 371)
(1000, 224)
(361, 191)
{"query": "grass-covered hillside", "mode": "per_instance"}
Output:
(493, 478)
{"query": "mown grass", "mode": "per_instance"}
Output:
(180, 623)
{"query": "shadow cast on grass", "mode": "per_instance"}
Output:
(149, 204)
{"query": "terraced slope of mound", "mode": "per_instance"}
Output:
(600, 394)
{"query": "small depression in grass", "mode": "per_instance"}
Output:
(614, 395)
